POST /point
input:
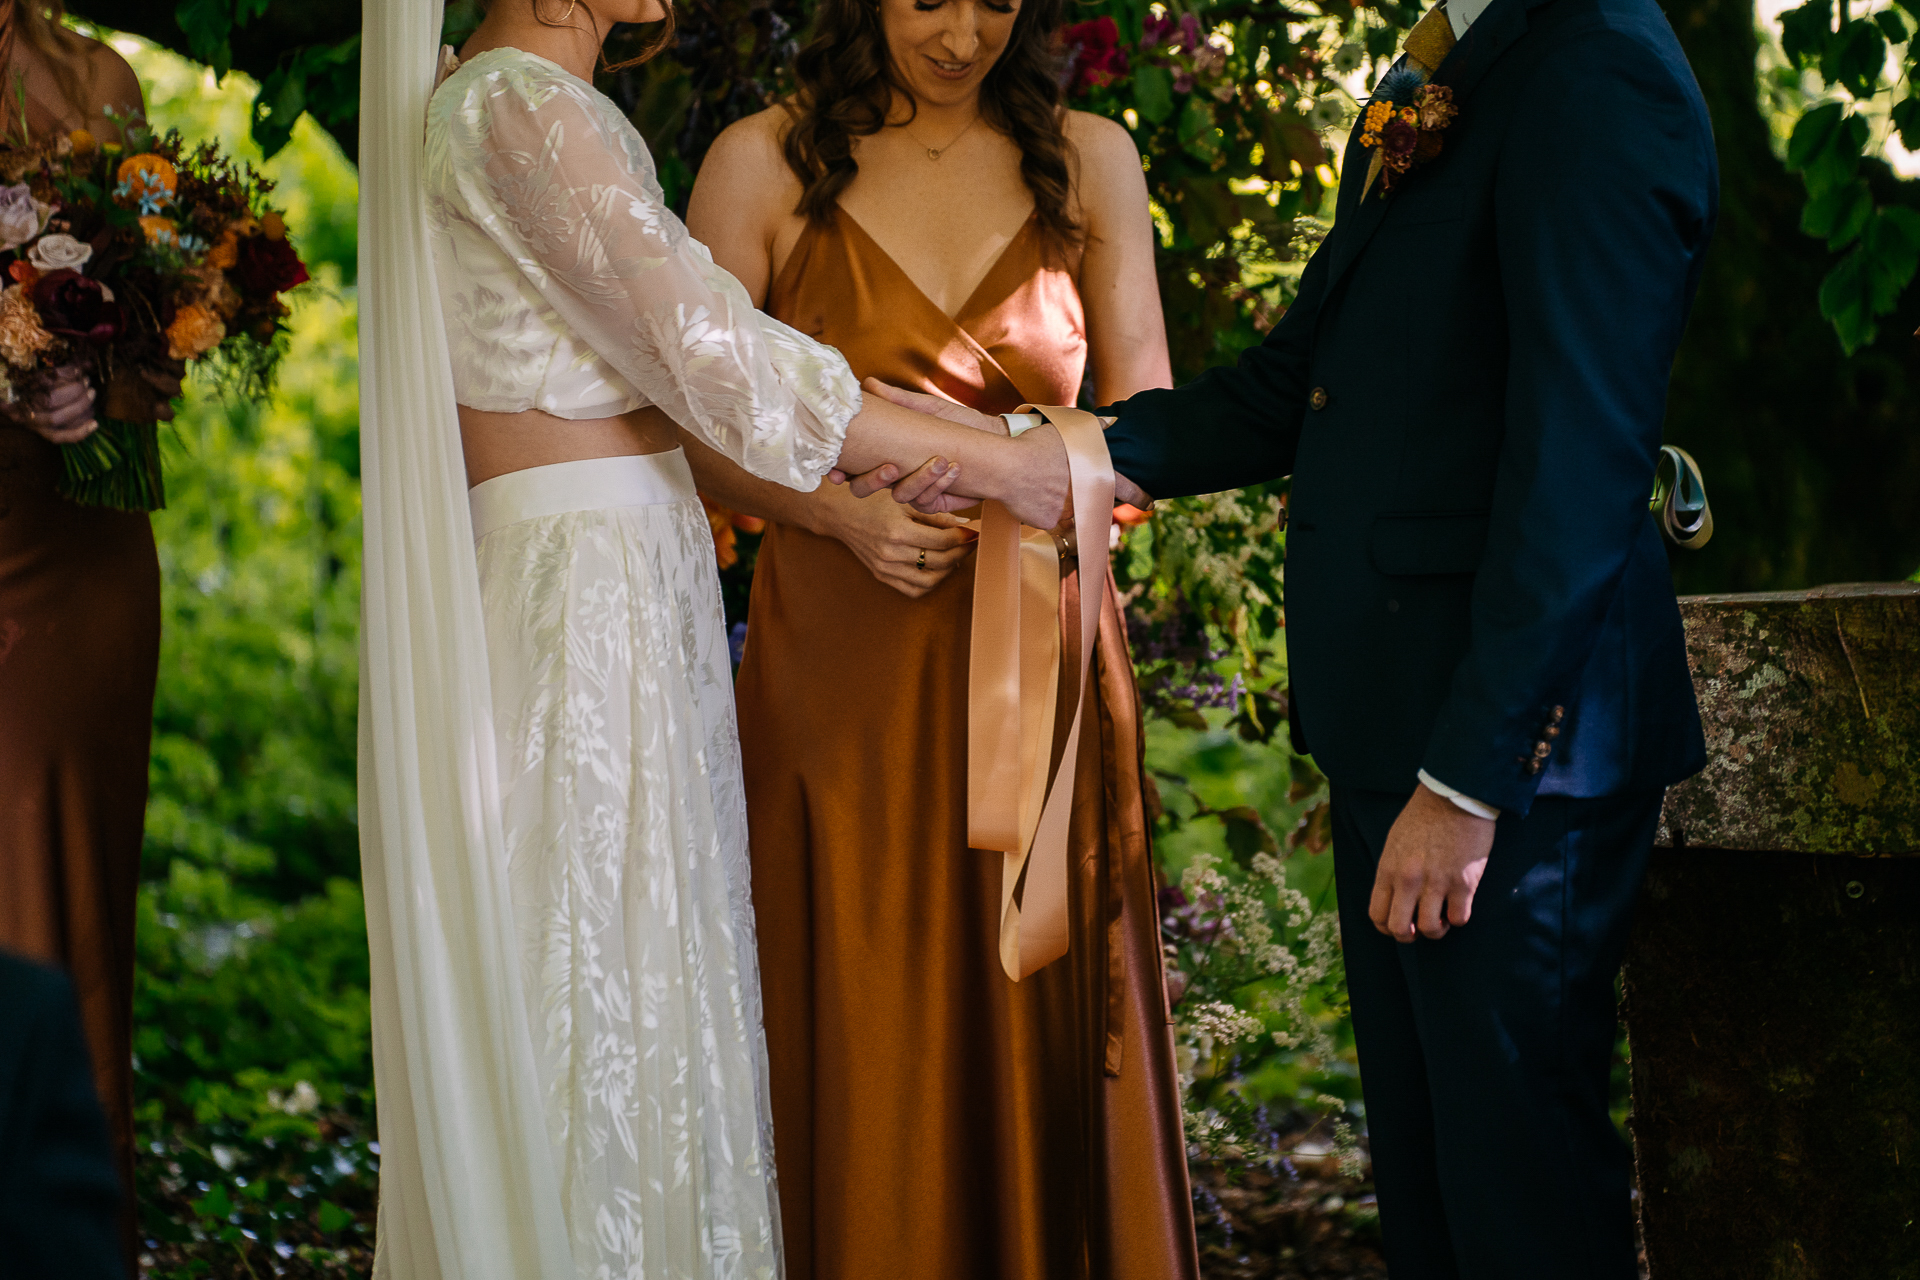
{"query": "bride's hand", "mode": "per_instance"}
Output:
(911, 553)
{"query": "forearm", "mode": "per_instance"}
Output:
(724, 481)
(1029, 473)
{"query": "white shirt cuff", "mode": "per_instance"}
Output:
(1018, 423)
(1468, 803)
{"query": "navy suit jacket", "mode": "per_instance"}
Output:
(1468, 393)
(59, 1193)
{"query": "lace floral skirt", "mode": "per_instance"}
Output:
(627, 845)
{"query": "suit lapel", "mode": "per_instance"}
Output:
(1357, 218)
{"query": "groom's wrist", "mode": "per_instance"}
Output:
(1459, 800)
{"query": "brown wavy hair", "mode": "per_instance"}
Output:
(648, 51)
(39, 23)
(846, 83)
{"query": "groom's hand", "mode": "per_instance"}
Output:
(1430, 869)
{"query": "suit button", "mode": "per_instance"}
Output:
(1541, 751)
(1552, 731)
(1319, 398)
(1559, 714)
(1533, 766)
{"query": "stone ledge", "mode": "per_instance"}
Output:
(1811, 701)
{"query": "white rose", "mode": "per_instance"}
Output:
(59, 253)
(21, 216)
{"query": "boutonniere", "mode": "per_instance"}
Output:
(1405, 126)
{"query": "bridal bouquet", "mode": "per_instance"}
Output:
(127, 260)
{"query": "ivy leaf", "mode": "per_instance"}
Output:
(333, 1218)
(208, 25)
(1248, 833)
(1805, 32)
(1839, 214)
(279, 104)
(214, 1205)
(1197, 130)
(1867, 283)
(1893, 248)
(1906, 118)
(1892, 25)
(1813, 134)
(1153, 93)
(1856, 58)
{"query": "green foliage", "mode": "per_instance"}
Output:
(1877, 238)
(320, 78)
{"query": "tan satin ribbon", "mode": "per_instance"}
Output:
(1013, 685)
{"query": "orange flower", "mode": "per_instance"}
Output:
(148, 175)
(274, 227)
(749, 524)
(726, 549)
(160, 231)
(24, 272)
(225, 252)
(194, 332)
(84, 143)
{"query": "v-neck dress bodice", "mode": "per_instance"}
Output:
(1021, 336)
(934, 1119)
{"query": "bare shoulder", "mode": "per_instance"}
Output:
(749, 154)
(1109, 163)
(1103, 144)
(111, 83)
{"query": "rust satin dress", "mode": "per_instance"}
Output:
(933, 1119)
(79, 651)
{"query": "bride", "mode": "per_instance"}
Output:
(567, 1031)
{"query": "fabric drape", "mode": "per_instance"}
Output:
(468, 1190)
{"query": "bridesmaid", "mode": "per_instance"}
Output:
(79, 637)
(929, 207)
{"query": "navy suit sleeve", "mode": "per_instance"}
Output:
(1604, 203)
(1232, 426)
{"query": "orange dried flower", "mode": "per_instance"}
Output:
(22, 337)
(160, 231)
(148, 175)
(24, 272)
(273, 227)
(84, 143)
(225, 252)
(194, 332)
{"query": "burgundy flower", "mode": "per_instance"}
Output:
(267, 266)
(75, 306)
(1398, 141)
(1158, 29)
(1094, 55)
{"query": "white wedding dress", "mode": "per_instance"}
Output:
(570, 1062)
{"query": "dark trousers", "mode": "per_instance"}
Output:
(1485, 1055)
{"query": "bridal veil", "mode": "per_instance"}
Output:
(468, 1189)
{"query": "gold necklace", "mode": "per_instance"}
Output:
(934, 153)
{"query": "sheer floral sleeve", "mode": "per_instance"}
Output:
(563, 184)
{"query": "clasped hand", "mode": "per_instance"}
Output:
(926, 490)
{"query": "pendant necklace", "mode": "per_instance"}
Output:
(934, 153)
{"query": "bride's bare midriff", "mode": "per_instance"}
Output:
(498, 443)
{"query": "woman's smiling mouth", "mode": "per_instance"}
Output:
(950, 70)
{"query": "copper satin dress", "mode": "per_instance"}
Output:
(79, 652)
(932, 1118)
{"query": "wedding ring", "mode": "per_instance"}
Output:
(921, 563)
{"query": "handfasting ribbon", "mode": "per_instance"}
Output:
(1013, 685)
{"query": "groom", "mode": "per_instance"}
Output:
(1486, 655)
